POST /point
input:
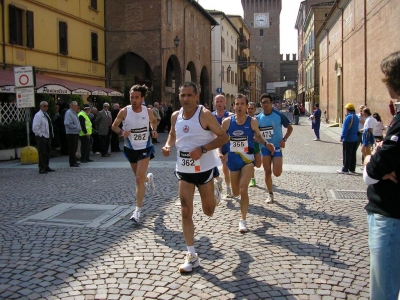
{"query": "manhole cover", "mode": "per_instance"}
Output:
(349, 195)
(81, 214)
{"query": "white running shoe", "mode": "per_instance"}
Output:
(217, 191)
(190, 263)
(228, 192)
(242, 226)
(135, 216)
(270, 198)
(150, 186)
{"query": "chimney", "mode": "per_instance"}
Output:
(281, 57)
(287, 57)
(294, 56)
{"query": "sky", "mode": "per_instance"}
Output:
(289, 12)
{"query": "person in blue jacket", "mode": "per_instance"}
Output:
(349, 140)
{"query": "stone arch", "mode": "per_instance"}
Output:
(205, 87)
(122, 77)
(191, 73)
(173, 79)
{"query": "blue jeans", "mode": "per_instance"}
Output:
(384, 245)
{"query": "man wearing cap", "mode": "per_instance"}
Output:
(103, 124)
(349, 141)
(86, 132)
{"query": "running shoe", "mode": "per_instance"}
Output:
(150, 186)
(252, 182)
(270, 198)
(190, 263)
(228, 192)
(242, 226)
(135, 216)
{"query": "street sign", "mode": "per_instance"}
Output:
(219, 90)
(24, 76)
(25, 97)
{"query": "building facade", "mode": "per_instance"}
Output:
(263, 18)
(224, 55)
(160, 44)
(352, 42)
(60, 39)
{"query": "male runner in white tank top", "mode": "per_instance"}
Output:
(196, 134)
(138, 148)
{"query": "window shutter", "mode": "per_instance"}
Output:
(13, 26)
(63, 37)
(30, 41)
(94, 39)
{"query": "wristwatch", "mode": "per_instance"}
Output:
(204, 150)
(285, 139)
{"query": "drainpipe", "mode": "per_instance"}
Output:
(184, 42)
(365, 53)
(4, 35)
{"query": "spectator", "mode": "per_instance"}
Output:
(72, 129)
(367, 135)
(115, 136)
(348, 138)
(95, 133)
(296, 114)
(361, 119)
(156, 113)
(381, 173)
(85, 134)
(316, 121)
(103, 125)
(379, 127)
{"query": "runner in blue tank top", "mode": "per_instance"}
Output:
(241, 130)
(270, 122)
(221, 113)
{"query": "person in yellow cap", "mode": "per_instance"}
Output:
(349, 140)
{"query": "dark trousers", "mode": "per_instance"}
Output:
(359, 135)
(104, 143)
(72, 147)
(85, 147)
(349, 156)
(115, 142)
(316, 127)
(95, 142)
(44, 148)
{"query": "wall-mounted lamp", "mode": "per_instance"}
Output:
(176, 41)
(229, 68)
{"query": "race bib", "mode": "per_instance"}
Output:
(139, 134)
(239, 144)
(267, 132)
(188, 164)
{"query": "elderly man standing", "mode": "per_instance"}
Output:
(72, 129)
(43, 130)
(156, 113)
(85, 134)
(103, 124)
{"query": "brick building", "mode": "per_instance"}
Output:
(158, 43)
(353, 40)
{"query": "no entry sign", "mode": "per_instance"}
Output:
(24, 76)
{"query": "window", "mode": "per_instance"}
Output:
(232, 53)
(93, 4)
(63, 37)
(228, 76)
(222, 72)
(30, 40)
(222, 44)
(261, 32)
(95, 49)
(21, 30)
(169, 12)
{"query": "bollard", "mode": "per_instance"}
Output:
(29, 156)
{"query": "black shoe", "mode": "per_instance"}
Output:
(84, 161)
(89, 160)
(50, 170)
(74, 166)
(43, 172)
(106, 155)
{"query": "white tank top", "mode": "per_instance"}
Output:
(189, 135)
(138, 125)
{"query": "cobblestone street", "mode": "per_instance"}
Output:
(307, 245)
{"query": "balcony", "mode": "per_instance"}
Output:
(242, 41)
(243, 62)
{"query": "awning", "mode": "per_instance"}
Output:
(53, 85)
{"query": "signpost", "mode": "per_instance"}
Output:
(219, 90)
(25, 79)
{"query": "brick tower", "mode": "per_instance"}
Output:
(262, 16)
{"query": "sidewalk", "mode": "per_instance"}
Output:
(67, 234)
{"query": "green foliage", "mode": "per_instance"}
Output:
(13, 135)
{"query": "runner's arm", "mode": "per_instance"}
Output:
(166, 150)
(260, 139)
(120, 117)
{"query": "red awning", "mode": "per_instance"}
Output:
(53, 85)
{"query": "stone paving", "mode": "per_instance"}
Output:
(307, 245)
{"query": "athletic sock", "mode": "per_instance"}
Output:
(191, 250)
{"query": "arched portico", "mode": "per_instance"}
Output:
(173, 79)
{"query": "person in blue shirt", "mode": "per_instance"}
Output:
(349, 140)
(316, 121)
(242, 129)
(270, 122)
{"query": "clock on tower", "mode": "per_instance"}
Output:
(261, 20)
